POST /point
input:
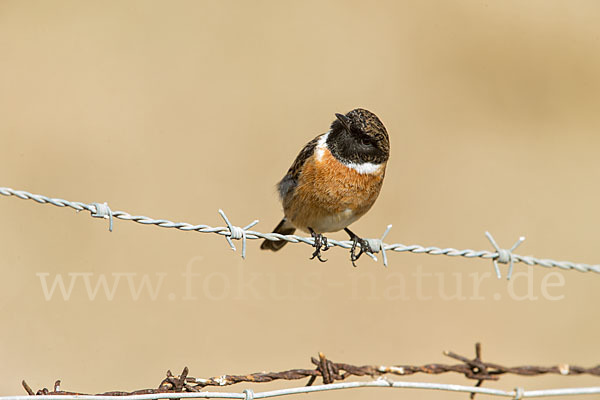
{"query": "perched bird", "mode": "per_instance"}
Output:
(334, 181)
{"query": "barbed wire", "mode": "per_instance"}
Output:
(233, 232)
(248, 394)
(331, 372)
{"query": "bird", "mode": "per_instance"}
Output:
(334, 180)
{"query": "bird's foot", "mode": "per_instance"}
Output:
(365, 247)
(320, 244)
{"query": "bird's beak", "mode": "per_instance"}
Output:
(344, 120)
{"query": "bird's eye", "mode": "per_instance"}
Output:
(365, 141)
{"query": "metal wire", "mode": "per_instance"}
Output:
(233, 232)
(378, 383)
(330, 372)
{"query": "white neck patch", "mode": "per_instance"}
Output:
(365, 168)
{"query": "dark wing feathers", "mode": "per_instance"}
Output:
(287, 186)
(290, 180)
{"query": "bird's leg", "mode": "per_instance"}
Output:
(320, 244)
(365, 247)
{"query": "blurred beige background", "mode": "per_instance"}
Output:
(176, 109)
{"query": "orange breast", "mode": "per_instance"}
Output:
(330, 195)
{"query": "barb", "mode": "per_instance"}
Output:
(235, 232)
(232, 232)
(331, 372)
(103, 211)
(504, 256)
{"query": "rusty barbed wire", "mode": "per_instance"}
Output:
(331, 372)
(233, 232)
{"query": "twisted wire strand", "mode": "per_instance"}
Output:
(377, 383)
(332, 373)
(237, 233)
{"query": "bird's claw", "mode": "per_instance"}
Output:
(365, 247)
(320, 244)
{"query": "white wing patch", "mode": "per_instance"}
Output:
(322, 146)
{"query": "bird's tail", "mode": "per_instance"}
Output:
(284, 228)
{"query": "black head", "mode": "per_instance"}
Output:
(359, 137)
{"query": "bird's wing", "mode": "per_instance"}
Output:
(290, 180)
